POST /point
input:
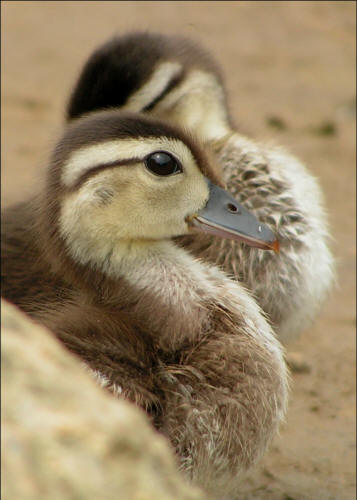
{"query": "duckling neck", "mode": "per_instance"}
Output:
(182, 298)
(159, 265)
(173, 289)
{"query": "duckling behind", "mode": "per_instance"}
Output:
(93, 259)
(175, 79)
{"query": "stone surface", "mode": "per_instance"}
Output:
(65, 438)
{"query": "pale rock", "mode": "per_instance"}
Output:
(63, 437)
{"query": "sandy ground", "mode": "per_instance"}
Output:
(291, 64)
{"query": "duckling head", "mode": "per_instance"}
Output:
(169, 77)
(125, 180)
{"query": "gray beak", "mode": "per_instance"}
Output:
(223, 216)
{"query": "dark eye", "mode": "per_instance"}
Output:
(161, 163)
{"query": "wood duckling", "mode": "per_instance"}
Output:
(94, 258)
(173, 78)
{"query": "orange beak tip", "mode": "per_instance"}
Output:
(276, 246)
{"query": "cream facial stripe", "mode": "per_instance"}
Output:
(197, 103)
(154, 87)
(86, 158)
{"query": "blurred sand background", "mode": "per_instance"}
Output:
(290, 72)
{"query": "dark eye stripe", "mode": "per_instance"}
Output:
(99, 168)
(170, 163)
(175, 80)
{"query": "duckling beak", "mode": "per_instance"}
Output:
(223, 216)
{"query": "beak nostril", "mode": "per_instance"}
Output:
(232, 208)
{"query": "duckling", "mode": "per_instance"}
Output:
(94, 258)
(172, 78)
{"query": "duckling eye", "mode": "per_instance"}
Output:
(162, 163)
